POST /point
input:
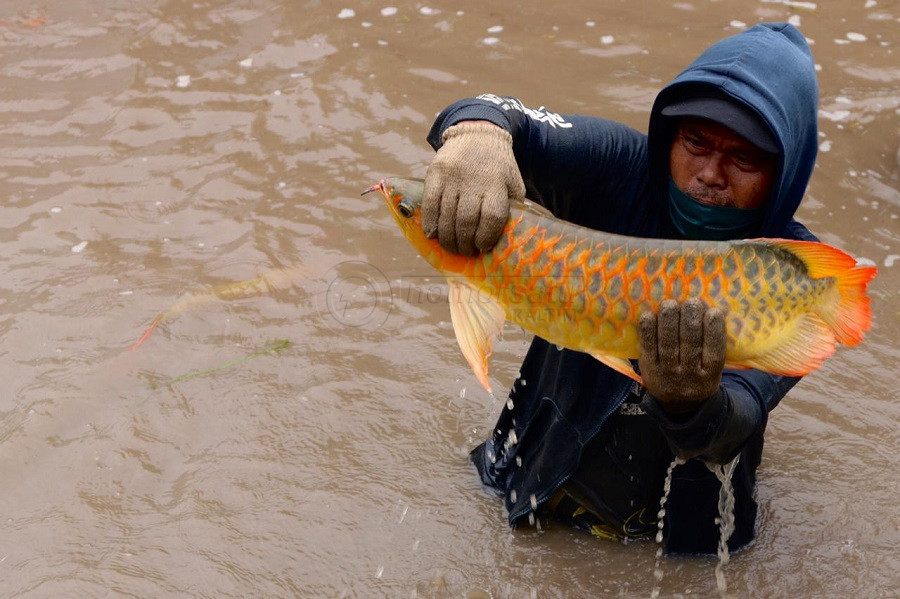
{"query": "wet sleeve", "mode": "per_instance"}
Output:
(718, 429)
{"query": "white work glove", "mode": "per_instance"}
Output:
(468, 187)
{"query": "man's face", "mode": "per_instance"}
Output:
(714, 165)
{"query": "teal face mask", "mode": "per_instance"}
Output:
(696, 220)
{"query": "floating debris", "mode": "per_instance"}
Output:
(276, 346)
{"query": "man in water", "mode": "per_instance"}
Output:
(729, 152)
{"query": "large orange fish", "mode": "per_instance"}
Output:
(787, 303)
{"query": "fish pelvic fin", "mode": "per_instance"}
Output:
(847, 312)
(619, 365)
(477, 320)
(802, 350)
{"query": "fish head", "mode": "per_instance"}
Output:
(404, 199)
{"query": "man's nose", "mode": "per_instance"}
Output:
(712, 172)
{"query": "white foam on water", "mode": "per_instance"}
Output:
(495, 29)
(607, 40)
(55, 210)
(490, 41)
(794, 20)
(388, 11)
(427, 10)
(889, 261)
(247, 62)
(590, 23)
(825, 146)
(856, 37)
(183, 81)
(346, 13)
(78, 248)
(737, 24)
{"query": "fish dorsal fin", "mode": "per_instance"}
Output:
(619, 365)
(532, 207)
(802, 351)
(477, 320)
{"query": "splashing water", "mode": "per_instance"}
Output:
(725, 520)
(667, 487)
(726, 516)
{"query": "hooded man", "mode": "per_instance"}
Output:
(729, 152)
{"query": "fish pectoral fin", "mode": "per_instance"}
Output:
(619, 365)
(477, 320)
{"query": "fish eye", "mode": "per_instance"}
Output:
(406, 208)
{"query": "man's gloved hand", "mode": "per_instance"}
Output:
(468, 187)
(682, 353)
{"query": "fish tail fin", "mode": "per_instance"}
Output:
(850, 316)
(848, 313)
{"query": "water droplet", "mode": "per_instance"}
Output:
(509, 404)
(533, 501)
(513, 496)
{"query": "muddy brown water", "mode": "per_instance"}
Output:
(150, 149)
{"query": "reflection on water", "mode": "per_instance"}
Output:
(167, 148)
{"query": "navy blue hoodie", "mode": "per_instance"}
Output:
(567, 407)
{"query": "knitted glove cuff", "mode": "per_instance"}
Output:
(479, 127)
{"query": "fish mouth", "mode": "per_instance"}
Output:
(377, 187)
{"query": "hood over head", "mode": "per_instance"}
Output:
(763, 81)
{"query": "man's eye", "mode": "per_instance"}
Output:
(693, 142)
(745, 161)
